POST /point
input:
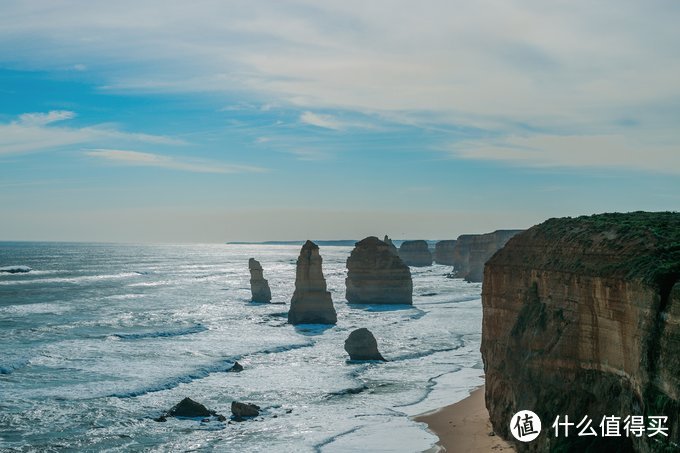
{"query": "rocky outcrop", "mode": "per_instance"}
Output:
(362, 345)
(376, 275)
(259, 286)
(244, 410)
(188, 408)
(473, 250)
(415, 253)
(393, 248)
(311, 302)
(581, 317)
(443, 252)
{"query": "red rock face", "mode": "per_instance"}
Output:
(582, 317)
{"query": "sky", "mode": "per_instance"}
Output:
(214, 121)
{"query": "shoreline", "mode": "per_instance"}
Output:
(464, 427)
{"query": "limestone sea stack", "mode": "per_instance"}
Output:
(362, 345)
(472, 251)
(415, 253)
(259, 286)
(443, 252)
(311, 302)
(376, 275)
(393, 248)
(581, 317)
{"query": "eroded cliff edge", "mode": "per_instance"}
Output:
(582, 317)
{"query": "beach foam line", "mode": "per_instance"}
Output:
(70, 280)
(221, 366)
(197, 328)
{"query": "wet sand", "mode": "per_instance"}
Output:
(465, 427)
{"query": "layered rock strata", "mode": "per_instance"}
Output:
(311, 302)
(581, 317)
(473, 250)
(259, 286)
(443, 252)
(415, 253)
(362, 345)
(376, 275)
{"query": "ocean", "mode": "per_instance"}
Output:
(99, 339)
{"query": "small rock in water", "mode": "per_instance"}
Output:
(190, 408)
(362, 345)
(221, 418)
(15, 269)
(162, 418)
(241, 410)
(236, 368)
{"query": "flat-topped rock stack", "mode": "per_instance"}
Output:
(376, 275)
(415, 253)
(472, 251)
(259, 286)
(311, 302)
(443, 252)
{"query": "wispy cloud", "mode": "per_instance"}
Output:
(605, 151)
(136, 158)
(35, 132)
(320, 120)
(309, 154)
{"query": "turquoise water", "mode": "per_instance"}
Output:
(100, 339)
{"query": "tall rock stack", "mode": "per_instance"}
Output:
(311, 302)
(443, 252)
(581, 317)
(415, 253)
(259, 286)
(376, 275)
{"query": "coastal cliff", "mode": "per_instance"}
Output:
(415, 253)
(581, 317)
(473, 250)
(443, 252)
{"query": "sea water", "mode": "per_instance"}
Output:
(98, 340)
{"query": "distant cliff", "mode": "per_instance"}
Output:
(443, 252)
(582, 317)
(473, 250)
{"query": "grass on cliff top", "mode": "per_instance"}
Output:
(643, 245)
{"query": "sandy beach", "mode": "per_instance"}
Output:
(464, 426)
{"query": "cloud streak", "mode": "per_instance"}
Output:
(142, 159)
(33, 132)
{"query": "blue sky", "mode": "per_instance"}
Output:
(216, 121)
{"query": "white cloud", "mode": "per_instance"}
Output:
(136, 158)
(34, 132)
(41, 119)
(323, 121)
(308, 154)
(605, 151)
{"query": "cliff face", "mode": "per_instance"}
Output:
(376, 275)
(415, 253)
(311, 302)
(443, 252)
(473, 250)
(582, 317)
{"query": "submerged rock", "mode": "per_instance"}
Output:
(581, 317)
(415, 253)
(259, 286)
(15, 269)
(443, 252)
(236, 368)
(243, 410)
(362, 345)
(376, 275)
(311, 302)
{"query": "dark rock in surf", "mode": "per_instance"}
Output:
(244, 410)
(190, 408)
(236, 368)
(362, 345)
